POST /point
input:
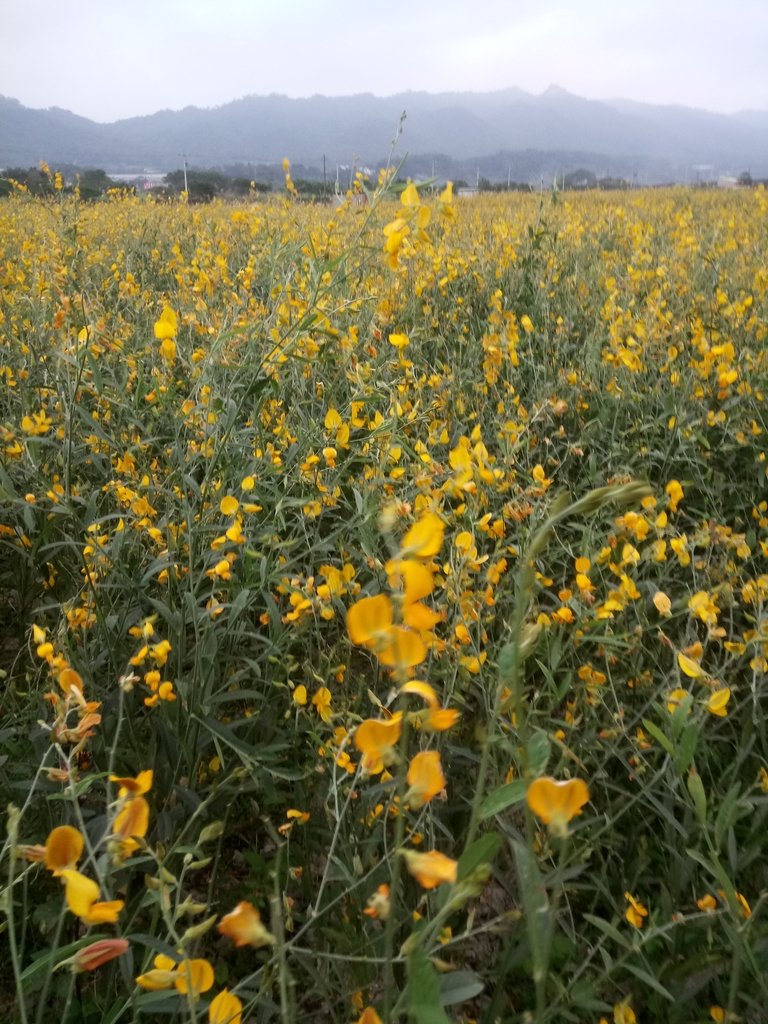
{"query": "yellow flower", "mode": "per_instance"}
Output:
(707, 903)
(430, 869)
(703, 607)
(167, 326)
(300, 695)
(662, 603)
(445, 205)
(557, 803)
(161, 976)
(376, 740)
(718, 701)
(635, 912)
(425, 778)
(138, 786)
(689, 667)
(400, 341)
(675, 700)
(133, 820)
(193, 976)
(244, 926)
(675, 493)
(623, 1013)
(226, 1008)
(370, 623)
(82, 896)
(425, 537)
(229, 505)
(322, 703)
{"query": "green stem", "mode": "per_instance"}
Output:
(395, 874)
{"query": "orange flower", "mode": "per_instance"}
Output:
(556, 803)
(63, 848)
(377, 906)
(244, 926)
(430, 869)
(370, 623)
(369, 1016)
(425, 778)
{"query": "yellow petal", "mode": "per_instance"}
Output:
(404, 649)
(689, 667)
(229, 505)
(430, 869)
(718, 701)
(425, 537)
(106, 912)
(244, 926)
(133, 820)
(156, 980)
(556, 803)
(425, 778)
(81, 892)
(662, 603)
(368, 617)
(421, 689)
(376, 738)
(418, 616)
(226, 1008)
(193, 975)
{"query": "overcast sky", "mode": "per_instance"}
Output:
(107, 59)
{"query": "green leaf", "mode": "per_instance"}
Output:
(608, 929)
(538, 920)
(687, 748)
(502, 798)
(659, 736)
(423, 994)
(538, 752)
(482, 851)
(458, 986)
(650, 981)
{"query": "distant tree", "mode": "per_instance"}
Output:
(93, 182)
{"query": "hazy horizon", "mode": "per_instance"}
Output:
(404, 92)
(108, 63)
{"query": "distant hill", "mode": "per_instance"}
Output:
(509, 132)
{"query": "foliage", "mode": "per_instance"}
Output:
(384, 607)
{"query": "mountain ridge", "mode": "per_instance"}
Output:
(662, 141)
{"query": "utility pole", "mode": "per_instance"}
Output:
(184, 158)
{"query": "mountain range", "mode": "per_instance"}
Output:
(509, 132)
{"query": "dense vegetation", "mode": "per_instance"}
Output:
(384, 603)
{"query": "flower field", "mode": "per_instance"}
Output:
(384, 603)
